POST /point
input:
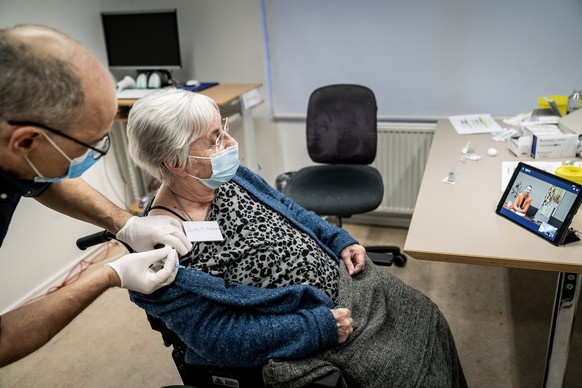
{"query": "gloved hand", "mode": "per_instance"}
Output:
(144, 233)
(140, 271)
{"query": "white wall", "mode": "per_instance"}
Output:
(221, 40)
(425, 58)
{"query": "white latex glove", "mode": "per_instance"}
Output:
(140, 272)
(144, 233)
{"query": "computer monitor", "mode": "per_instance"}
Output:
(142, 40)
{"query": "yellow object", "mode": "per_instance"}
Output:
(561, 101)
(136, 209)
(572, 173)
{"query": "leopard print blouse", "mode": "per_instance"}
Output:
(260, 247)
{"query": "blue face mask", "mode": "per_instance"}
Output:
(224, 166)
(77, 166)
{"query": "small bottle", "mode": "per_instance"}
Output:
(574, 101)
(451, 176)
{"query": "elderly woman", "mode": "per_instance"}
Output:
(268, 282)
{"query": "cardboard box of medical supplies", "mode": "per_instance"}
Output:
(554, 146)
(544, 141)
(521, 146)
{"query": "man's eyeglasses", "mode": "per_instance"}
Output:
(99, 149)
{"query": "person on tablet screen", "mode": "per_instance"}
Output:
(523, 200)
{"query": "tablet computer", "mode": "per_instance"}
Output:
(542, 203)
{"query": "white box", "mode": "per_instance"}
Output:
(554, 146)
(521, 146)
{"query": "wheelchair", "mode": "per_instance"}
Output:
(205, 376)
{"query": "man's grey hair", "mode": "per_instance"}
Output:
(162, 125)
(36, 86)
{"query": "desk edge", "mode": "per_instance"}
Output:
(494, 262)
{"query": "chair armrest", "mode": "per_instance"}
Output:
(386, 255)
(383, 259)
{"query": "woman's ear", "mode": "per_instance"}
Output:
(174, 168)
(24, 139)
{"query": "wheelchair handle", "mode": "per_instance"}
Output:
(94, 239)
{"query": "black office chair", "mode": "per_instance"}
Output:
(211, 376)
(342, 136)
(531, 211)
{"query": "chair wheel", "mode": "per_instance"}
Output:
(400, 260)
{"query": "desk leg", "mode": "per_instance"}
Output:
(567, 295)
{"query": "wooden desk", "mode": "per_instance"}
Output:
(234, 100)
(225, 95)
(457, 223)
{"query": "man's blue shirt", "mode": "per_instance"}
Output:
(11, 190)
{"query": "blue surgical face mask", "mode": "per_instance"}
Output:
(224, 166)
(77, 166)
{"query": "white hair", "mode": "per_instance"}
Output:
(162, 125)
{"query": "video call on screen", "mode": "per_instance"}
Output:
(551, 200)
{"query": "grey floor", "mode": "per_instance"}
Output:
(500, 318)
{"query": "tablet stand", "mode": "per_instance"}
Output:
(571, 237)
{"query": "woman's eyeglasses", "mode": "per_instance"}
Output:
(224, 131)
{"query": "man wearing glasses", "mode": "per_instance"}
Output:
(57, 104)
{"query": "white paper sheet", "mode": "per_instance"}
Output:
(508, 167)
(470, 124)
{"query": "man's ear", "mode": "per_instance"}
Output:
(24, 139)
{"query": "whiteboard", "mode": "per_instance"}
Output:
(425, 58)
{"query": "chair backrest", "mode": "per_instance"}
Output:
(342, 125)
(531, 211)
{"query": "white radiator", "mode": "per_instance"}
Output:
(401, 157)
